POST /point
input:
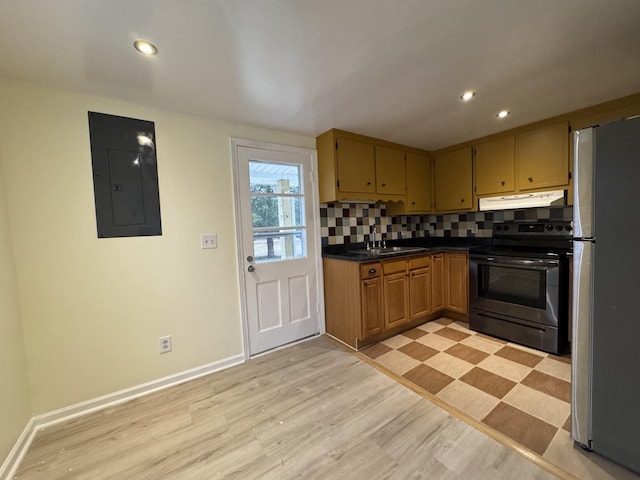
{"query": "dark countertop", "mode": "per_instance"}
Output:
(428, 244)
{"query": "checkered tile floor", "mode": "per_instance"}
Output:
(523, 393)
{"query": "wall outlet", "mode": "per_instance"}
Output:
(208, 240)
(165, 344)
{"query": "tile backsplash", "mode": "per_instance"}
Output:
(353, 222)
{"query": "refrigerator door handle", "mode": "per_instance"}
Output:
(581, 362)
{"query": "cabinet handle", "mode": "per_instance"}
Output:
(372, 270)
(530, 179)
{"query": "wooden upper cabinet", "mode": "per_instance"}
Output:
(453, 181)
(419, 183)
(356, 166)
(542, 157)
(390, 171)
(494, 163)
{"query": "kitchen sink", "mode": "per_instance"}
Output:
(374, 252)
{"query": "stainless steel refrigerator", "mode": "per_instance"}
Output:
(606, 291)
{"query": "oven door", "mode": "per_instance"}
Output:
(521, 288)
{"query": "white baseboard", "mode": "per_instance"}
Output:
(10, 465)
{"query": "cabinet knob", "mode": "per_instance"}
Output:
(372, 270)
(462, 200)
(368, 183)
(384, 184)
(530, 179)
(502, 183)
(413, 203)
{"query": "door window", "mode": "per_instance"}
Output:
(277, 211)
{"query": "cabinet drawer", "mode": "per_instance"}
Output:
(395, 266)
(419, 262)
(370, 270)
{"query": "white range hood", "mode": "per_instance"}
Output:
(524, 200)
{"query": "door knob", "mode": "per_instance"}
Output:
(251, 268)
(249, 259)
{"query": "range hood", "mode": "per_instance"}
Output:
(524, 200)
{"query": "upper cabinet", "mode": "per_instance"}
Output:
(453, 183)
(410, 181)
(419, 183)
(390, 171)
(354, 167)
(542, 157)
(494, 166)
(419, 197)
(528, 160)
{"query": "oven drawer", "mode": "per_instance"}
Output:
(534, 335)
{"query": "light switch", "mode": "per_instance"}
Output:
(208, 240)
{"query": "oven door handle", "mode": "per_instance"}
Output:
(534, 263)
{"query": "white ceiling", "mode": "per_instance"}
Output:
(391, 69)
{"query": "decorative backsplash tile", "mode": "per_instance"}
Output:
(354, 222)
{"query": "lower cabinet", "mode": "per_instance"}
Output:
(366, 301)
(395, 292)
(372, 307)
(437, 278)
(420, 287)
(456, 282)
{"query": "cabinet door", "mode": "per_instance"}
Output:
(356, 166)
(456, 282)
(419, 183)
(437, 282)
(372, 311)
(396, 296)
(542, 157)
(419, 292)
(453, 181)
(390, 171)
(495, 166)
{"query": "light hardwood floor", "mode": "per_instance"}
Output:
(312, 411)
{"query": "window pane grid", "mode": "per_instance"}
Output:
(277, 207)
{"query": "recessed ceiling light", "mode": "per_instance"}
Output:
(466, 96)
(503, 113)
(145, 48)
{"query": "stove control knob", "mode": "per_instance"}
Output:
(568, 228)
(549, 227)
(505, 228)
(498, 228)
(559, 228)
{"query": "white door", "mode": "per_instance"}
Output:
(279, 244)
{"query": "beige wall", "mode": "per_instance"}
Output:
(15, 405)
(93, 309)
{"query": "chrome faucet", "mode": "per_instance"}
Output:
(373, 233)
